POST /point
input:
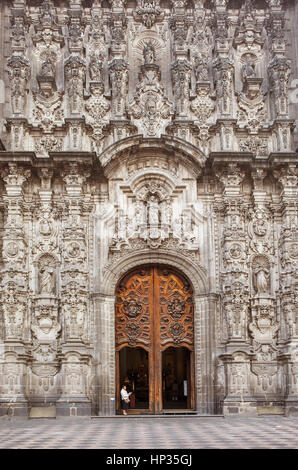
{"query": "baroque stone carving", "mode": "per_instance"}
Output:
(97, 107)
(150, 109)
(223, 84)
(119, 80)
(279, 74)
(261, 275)
(19, 75)
(75, 70)
(148, 12)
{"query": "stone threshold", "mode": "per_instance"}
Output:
(166, 415)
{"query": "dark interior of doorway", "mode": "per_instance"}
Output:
(134, 373)
(176, 378)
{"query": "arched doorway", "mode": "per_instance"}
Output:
(154, 332)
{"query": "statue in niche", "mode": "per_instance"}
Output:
(45, 227)
(139, 213)
(153, 210)
(177, 227)
(261, 276)
(47, 280)
(47, 68)
(260, 227)
(149, 53)
(95, 69)
(201, 68)
(248, 69)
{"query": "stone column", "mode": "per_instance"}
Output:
(287, 176)
(204, 347)
(279, 71)
(44, 278)
(75, 354)
(235, 289)
(104, 308)
(14, 295)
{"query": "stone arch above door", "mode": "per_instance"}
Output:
(137, 143)
(151, 203)
(185, 262)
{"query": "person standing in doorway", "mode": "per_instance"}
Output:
(124, 399)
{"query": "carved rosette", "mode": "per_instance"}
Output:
(132, 308)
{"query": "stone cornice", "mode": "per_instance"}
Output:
(248, 157)
(54, 158)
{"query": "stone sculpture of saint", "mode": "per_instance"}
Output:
(261, 280)
(47, 68)
(248, 69)
(201, 68)
(149, 53)
(153, 210)
(47, 282)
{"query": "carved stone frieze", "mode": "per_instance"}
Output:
(255, 144)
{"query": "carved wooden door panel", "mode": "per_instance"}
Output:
(134, 321)
(154, 311)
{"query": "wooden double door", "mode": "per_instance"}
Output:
(154, 327)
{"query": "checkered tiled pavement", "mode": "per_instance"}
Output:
(150, 433)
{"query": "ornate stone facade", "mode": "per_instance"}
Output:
(147, 132)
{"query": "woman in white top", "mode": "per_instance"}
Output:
(124, 399)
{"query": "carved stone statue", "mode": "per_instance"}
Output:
(248, 69)
(261, 280)
(201, 68)
(46, 280)
(149, 53)
(47, 68)
(153, 210)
